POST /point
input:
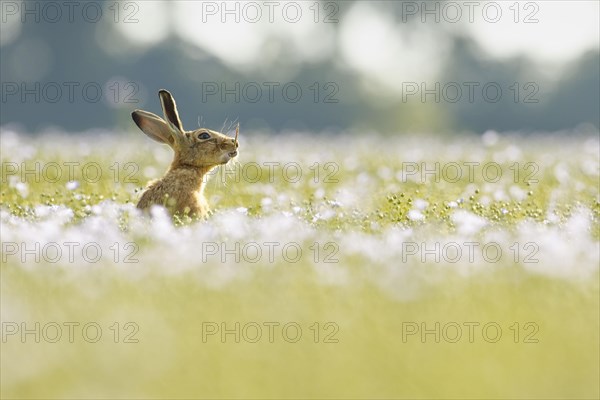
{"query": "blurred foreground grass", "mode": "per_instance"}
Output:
(507, 329)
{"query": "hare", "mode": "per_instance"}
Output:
(197, 152)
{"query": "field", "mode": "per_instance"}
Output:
(331, 267)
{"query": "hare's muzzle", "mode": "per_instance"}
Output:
(236, 144)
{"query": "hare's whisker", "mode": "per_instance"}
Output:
(224, 125)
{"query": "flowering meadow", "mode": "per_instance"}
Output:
(331, 266)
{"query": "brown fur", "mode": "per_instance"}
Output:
(196, 154)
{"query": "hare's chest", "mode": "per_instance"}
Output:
(191, 202)
(201, 203)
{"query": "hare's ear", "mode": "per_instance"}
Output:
(170, 109)
(153, 126)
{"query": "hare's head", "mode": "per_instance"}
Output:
(201, 148)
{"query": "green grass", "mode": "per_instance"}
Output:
(370, 294)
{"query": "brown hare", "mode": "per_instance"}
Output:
(197, 152)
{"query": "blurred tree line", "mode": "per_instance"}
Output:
(333, 98)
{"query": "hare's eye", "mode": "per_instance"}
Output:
(204, 136)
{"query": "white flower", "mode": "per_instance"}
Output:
(72, 185)
(415, 215)
(23, 189)
(489, 138)
(421, 204)
(467, 222)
